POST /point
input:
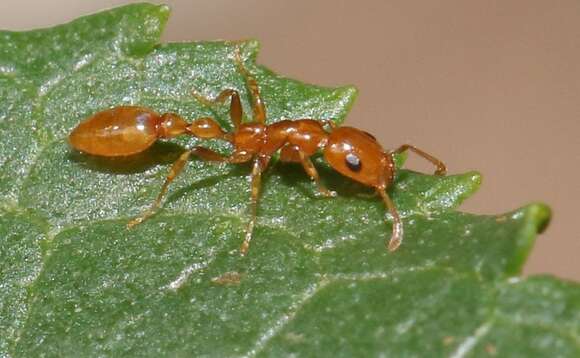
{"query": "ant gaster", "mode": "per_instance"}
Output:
(127, 130)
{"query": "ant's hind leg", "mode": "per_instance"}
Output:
(235, 104)
(258, 107)
(177, 168)
(441, 168)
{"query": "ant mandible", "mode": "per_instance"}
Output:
(354, 153)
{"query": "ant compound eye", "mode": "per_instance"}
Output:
(353, 162)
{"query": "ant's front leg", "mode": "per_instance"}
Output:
(177, 168)
(292, 153)
(397, 235)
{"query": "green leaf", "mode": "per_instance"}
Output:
(318, 280)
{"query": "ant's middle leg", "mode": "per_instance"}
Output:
(177, 168)
(259, 165)
(441, 168)
(292, 153)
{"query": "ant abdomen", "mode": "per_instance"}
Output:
(118, 131)
(127, 130)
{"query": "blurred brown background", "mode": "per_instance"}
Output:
(488, 85)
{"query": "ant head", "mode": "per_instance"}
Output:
(357, 155)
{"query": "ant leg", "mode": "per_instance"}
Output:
(441, 168)
(235, 104)
(174, 172)
(310, 169)
(258, 167)
(397, 235)
(294, 154)
(177, 168)
(258, 107)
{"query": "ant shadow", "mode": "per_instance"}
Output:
(158, 153)
(294, 175)
(291, 174)
(238, 171)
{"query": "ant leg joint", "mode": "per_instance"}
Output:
(330, 123)
(310, 169)
(441, 167)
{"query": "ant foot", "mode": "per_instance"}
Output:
(394, 244)
(238, 54)
(325, 193)
(134, 222)
(244, 248)
(441, 171)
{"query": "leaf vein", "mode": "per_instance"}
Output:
(470, 342)
(286, 318)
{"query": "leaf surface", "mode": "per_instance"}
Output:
(318, 280)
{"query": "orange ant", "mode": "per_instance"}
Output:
(356, 154)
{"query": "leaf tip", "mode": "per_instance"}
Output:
(535, 217)
(350, 91)
(249, 48)
(466, 185)
(348, 95)
(540, 215)
(475, 178)
(163, 12)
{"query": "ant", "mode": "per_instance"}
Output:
(354, 153)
